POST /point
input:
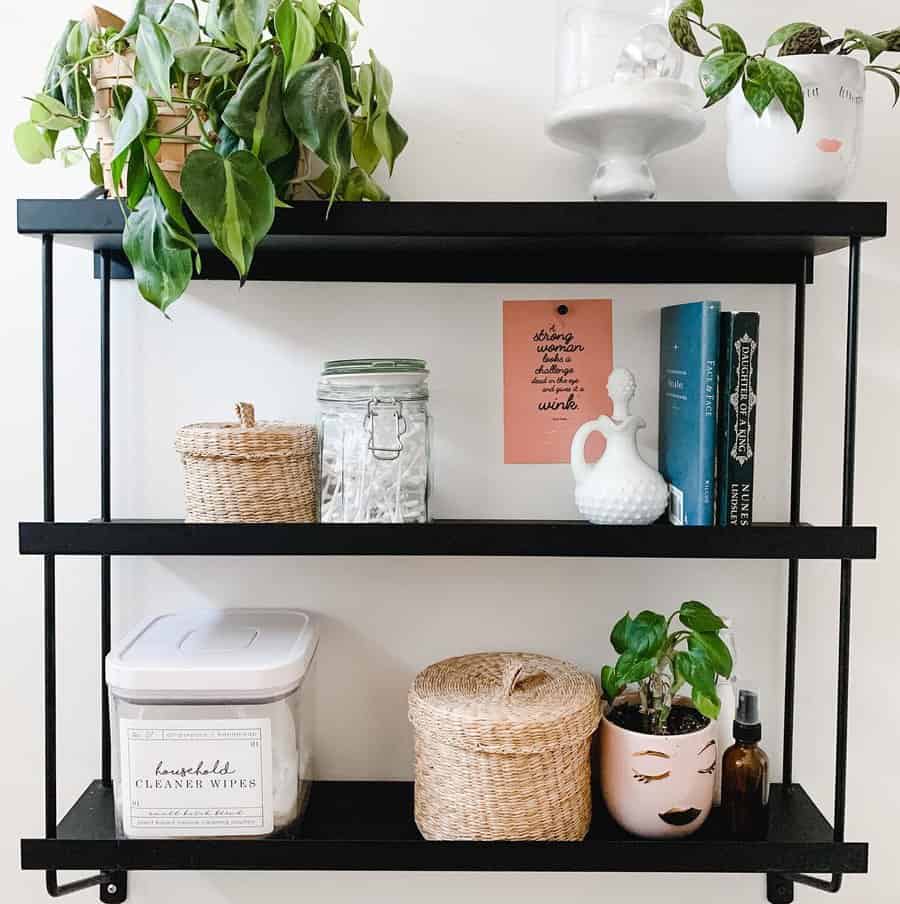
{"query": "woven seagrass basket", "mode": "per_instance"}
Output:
(248, 471)
(503, 746)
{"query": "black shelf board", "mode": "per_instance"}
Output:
(511, 242)
(560, 539)
(369, 826)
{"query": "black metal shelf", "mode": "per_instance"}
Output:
(561, 539)
(501, 242)
(369, 826)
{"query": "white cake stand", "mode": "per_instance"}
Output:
(624, 125)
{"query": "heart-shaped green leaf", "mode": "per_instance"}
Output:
(619, 636)
(384, 83)
(682, 32)
(315, 107)
(32, 143)
(786, 32)
(787, 89)
(255, 112)
(719, 75)
(181, 27)
(713, 649)
(134, 121)
(49, 113)
(138, 177)
(757, 90)
(390, 138)
(646, 634)
(707, 706)
(297, 35)
(155, 59)
(365, 151)
(170, 198)
(633, 667)
(339, 55)
(77, 41)
(58, 60)
(611, 687)
(807, 40)
(96, 169)
(233, 198)
(699, 617)
(312, 9)
(154, 10)
(162, 266)
(366, 82)
(698, 673)
(361, 187)
(732, 42)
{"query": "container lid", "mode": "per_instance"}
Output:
(212, 654)
(505, 703)
(381, 372)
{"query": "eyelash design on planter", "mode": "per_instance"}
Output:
(709, 769)
(646, 779)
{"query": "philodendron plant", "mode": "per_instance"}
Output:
(763, 79)
(263, 84)
(661, 661)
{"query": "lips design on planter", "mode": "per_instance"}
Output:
(680, 817)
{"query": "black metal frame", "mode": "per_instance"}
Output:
(113, 885)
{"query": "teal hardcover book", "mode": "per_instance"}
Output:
(689, 377)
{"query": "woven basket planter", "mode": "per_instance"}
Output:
(502, 748)
(110, 71)
(249, 472)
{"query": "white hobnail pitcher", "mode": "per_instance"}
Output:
(620, 488)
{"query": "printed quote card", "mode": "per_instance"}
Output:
(557, 358)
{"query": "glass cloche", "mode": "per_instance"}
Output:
(621, 92)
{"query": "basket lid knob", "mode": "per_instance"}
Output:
(246, 414)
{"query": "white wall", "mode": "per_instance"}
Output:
(473, 82)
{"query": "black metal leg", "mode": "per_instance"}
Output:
(833, 885)
(104, 880)
(105, 512)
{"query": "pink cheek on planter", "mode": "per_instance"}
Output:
(829, 145)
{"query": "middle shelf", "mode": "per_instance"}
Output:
(561, 539)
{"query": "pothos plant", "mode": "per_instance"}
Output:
(661, 661)
(762, 79)
(261, 84)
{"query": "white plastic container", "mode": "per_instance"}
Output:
(210, 723)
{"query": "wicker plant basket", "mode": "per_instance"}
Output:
(248, 471)
(503, 748)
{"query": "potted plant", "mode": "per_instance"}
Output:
(216, 107)
(795, 125)
(658, 749)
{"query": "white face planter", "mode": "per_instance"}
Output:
(769, 160)
(658, 786)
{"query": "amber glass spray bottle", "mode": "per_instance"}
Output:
(745, 773)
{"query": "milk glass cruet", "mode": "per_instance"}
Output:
(375, 430)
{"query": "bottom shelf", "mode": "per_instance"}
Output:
(369, 826)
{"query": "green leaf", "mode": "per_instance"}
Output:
(619, 636)
(228, 142)
(611, 687)
(49, 113)
(155, 59)
(77, 41)
(312, 10)
(96, 169)
(237, 21)
(713, 648)
(283, 171)
(719, 75)
(384, 83)
(181, 27)
(390, 138)
(79, 98)
(786, 32)
(352, 7)
(365, 151)
(162, 266)
(787, 89)
(255, 112)
(361, 187)
(233, 198)
(170, 198)
(134, 121)
(732, 42)
(699, 617)
(366, 79)
(895, 84)
(297, 35)
(339, 55)
(708, 706)
(138, 179)
(218, 62)
(633, 667)
(757, 90)
(682, 32)
(698, 673)
(646, 634)
(315, 107)
(58, 60)
(875, 46)
(807, 40)
(693, 6)
(155, 10)
(891, 38)
(333, 27)
(32, 143)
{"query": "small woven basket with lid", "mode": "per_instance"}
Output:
(503, 746)
(249, 471)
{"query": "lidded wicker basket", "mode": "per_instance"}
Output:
(249, 471)
(502, 750)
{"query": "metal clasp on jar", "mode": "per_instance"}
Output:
(388, 445)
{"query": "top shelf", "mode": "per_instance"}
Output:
(502, 242)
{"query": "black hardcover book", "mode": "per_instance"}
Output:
(739, 363)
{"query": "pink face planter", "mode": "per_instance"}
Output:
(658, 786)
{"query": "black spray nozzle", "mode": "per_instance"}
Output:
(747, 726)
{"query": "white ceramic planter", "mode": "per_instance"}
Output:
(769, 160)
(658, 786)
